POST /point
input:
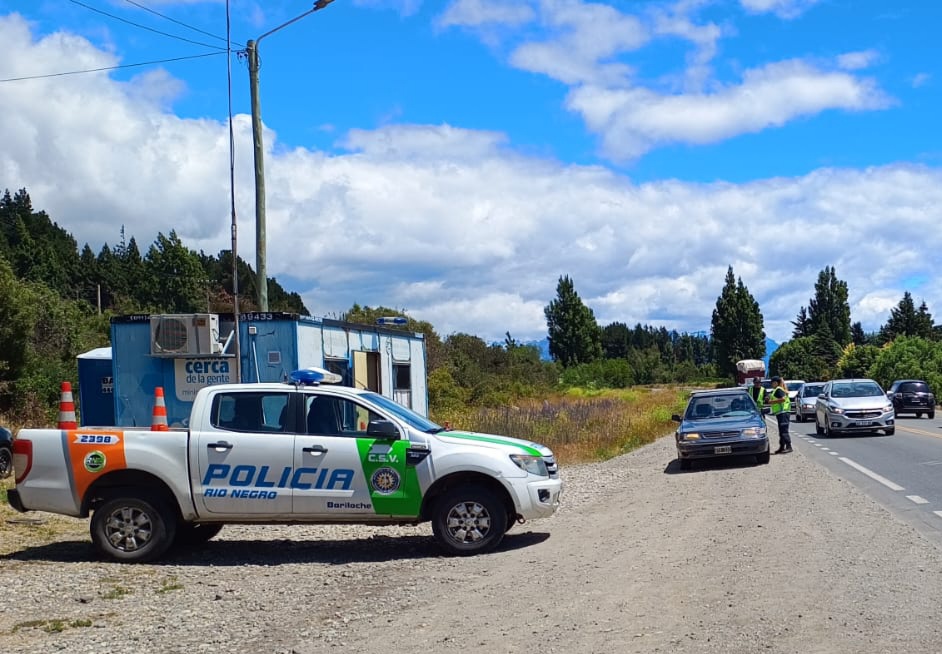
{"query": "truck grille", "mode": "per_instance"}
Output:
(551, 467)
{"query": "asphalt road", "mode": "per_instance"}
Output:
(903, 472)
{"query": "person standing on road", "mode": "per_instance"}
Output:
(781, 409)
(757, 392)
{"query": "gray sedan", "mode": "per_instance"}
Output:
(853, 406)
(807, 397)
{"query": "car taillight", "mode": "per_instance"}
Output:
(22, 458)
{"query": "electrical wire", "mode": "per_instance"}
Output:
(98, 70)
(144, 27)
(173, 20)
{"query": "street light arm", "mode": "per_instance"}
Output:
(320, 4)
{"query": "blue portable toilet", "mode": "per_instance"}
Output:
(96, 388)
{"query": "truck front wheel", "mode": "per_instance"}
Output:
(469, 520)
(133, 529)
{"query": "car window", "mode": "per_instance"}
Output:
(913, 387)
(336, 416)
(716, 406)
(856, 389)
(250, 412)
(794, 386)
(812, 390)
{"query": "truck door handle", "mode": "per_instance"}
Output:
(221, 445)
(316, 450)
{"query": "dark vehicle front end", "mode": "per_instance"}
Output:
(718, 424)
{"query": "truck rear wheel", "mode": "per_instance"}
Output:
(469, 520)
(133, 529)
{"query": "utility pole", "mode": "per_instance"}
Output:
(251, 50)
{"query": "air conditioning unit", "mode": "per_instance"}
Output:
(185, 335)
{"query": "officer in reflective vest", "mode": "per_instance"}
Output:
(781, 409)
(758, 392)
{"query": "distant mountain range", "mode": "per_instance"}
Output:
(770, 347)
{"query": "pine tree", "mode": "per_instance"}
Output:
(905, 320)
(574, 335)
(802, 324)
(829, 310)
(737, 328)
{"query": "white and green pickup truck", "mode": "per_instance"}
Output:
(283, 453)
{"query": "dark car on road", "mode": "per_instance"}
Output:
(721, 423)
(6, 452)
(912, 396)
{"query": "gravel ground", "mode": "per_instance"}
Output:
(780, 558)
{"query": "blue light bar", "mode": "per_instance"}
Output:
(313, 376)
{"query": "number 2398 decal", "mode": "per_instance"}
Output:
(97, 439)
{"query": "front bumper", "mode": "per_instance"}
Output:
(860, 421)
(710, 448)
(539, 499)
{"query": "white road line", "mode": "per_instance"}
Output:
(834, 453)
(874, 476)
(825, 449)
(916, 499)
(938, 513)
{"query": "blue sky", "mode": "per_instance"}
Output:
(455, 158)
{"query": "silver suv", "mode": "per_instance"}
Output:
(853, 406)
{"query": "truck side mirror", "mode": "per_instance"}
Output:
(676, 418)
(380, 428)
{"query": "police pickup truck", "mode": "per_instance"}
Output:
(300, 452)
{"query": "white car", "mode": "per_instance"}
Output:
(793, 385)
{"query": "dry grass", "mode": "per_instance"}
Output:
(582, 426)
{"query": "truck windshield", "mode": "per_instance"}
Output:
(403, 413)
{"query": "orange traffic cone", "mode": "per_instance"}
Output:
(67, 408)
(159, 420)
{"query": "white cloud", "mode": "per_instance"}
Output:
(921, 79)
(584, 43)
(478, 13)
(633, 121)
(588, 47)
(781, 8)
(857, 60)
(453, 224)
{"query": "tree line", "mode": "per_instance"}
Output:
(825, 343)
(56, 302)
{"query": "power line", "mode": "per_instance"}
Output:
(173, 20)
(98, 70)
(143, 27)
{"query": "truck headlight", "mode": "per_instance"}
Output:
(754, 432)
(835, 409)
(887, 408)
(535, 465)
(690, 436)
